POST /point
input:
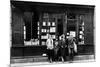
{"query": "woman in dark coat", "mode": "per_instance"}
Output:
(62, 44)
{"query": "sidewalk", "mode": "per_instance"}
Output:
(77, 59)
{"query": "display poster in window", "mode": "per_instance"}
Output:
(52, 29)
(53, 24)
(49, 23)
(44, 37)
(73, 33)
(44, 23)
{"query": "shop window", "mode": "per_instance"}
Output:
(24, 33)
(48, 27)
(71, 25)
(31, 29)
(81, 29)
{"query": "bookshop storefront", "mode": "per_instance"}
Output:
(32, 21)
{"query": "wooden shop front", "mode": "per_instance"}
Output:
(32, 21)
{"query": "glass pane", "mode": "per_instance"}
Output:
(81, 29)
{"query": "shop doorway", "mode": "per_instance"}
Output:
(72, 25)
(59, 27)
(72, 28)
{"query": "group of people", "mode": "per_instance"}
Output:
(60, 48)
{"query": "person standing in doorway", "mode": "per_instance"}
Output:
(50, 47)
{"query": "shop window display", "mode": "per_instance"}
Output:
(49, 26)
(81, 30)
(31, 25)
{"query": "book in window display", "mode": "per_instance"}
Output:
(67, 33)
(53, 24)
(81, 32)
(43, 43)
(38, 23)
(38, 33)
(43, 30)
(44, 37)
(38, 28)
(80, 36)
(35, 42)
(73, 33)
(44, 23)
(82, 28)
(52, 29)
(49, 23)
(53, 36)
(48, 30)
(27, 43)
